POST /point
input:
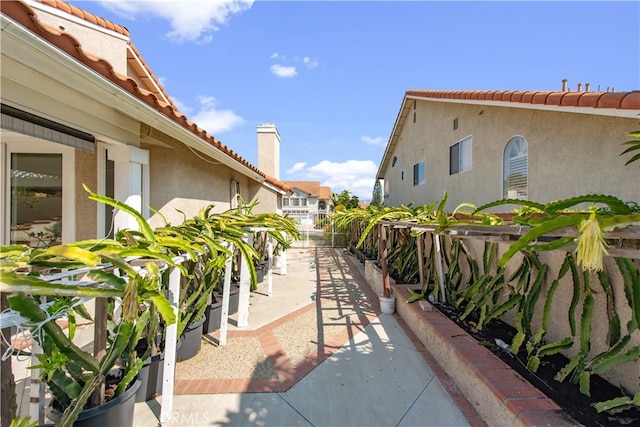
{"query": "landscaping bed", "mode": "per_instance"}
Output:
(564, 394)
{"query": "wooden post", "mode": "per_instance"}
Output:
(283, 259)
(245, 287)
(171, 338)
(269, 266)
(386, 291)
(226, 289)
(99, 343)
(440, 267)
(420, 259)
(8, 407)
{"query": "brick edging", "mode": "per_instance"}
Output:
(499, 394)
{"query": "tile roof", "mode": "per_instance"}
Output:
(616, 100)
(312, 188)
(26, 16)
(325, 193)
(119, 29)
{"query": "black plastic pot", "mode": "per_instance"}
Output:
(260, 272)
(191, 340)
(150, 376)
(234, 298)
(212, 313)
(116, 412)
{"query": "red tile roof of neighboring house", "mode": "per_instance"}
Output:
(617, 100)
(325, 193)
(312, 188)
(26, 16)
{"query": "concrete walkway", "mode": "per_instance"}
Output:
(332, 359)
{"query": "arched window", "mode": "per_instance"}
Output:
(515, 169)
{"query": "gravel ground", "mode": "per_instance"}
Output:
(299, 337)
(242, 357)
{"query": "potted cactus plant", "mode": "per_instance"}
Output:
(74, 375)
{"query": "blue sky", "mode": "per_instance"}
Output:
(331, 75)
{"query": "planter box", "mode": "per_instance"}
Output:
(373, 276)
(498, 393)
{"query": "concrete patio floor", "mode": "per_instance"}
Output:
(335, 360)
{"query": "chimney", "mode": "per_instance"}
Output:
(269, 150)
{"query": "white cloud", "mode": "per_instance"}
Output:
(356, 176)
(190, 20)
(378, 140)
(283, 71)
(297, 167)
(211, 119)
(310, 63)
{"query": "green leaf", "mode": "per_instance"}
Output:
(145, 228)
(585, 383)
(17, 282)
(555, 347)
(631, 355)
(616, 205)
(533, 364)
(548, 226)
(67, 252)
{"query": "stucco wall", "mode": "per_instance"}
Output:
(267, 200)
(181, 180)
(569, 154)
(86, 210)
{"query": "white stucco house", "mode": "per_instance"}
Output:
(308, 202)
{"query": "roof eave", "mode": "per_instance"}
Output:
(107, 92)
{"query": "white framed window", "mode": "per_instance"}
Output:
(38, 193)
(515, 169)
(419, 173)
(460, 156)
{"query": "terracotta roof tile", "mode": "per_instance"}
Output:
(94, 19)
(615, 100)
(325, 193)
(312, 188)
(26, 16)
(282, 185)
(555, 98)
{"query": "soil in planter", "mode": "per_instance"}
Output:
(564, 394)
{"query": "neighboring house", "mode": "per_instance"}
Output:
(308, 202)
(482, 146)
(81, 106)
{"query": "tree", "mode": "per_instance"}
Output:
(376, 197)
(344, 199)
